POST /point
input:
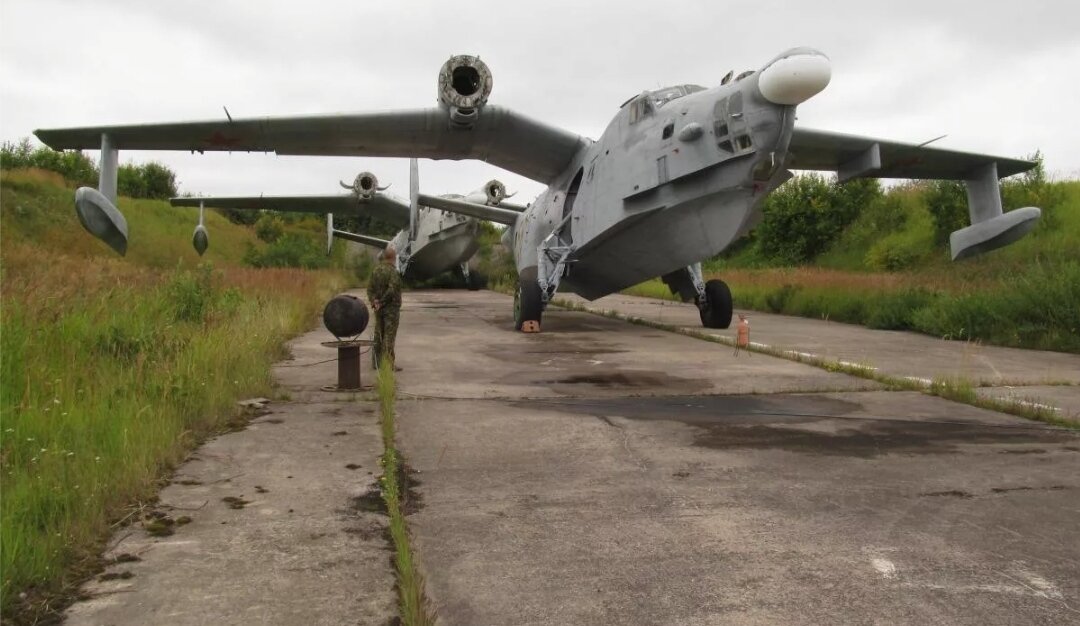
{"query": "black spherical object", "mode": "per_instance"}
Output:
(345, 316)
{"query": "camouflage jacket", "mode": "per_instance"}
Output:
(384, 286)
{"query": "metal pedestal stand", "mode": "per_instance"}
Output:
(348, 364)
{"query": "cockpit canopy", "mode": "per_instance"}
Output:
(660, 97)
(667, 94)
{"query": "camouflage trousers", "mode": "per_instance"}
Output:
(386, 324)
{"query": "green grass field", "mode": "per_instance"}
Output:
(114, 368)
(1024, 295)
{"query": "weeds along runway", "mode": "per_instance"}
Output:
(604, 472)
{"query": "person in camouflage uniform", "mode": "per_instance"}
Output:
(384, 294)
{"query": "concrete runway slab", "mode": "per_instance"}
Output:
(642, 499)
(469, 350)
(302, 547)
(896, 353)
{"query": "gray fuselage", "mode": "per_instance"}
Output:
(685, 166)
(443, 242)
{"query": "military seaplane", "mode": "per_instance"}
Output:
(676, 177)
(430, 242)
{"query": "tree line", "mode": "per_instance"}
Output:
(148, 180)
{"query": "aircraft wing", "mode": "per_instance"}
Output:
(855, 156)
(500, 136)
(382, 206)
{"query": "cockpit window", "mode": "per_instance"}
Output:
(663, 96)
(641, 107)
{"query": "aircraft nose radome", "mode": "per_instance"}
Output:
(795, 77)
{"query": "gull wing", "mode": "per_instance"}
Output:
(500, 136)
(382, 206)
(851, 156)
(854, 156)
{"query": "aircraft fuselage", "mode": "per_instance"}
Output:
(678, 175)
(443, 242)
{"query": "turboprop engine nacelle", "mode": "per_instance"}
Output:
(365, 186)
(492, 193)
(464, 86)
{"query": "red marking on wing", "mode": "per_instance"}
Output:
(221, 140)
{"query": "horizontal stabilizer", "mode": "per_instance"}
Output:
(367, 240)
(510, 206)
(481, 211)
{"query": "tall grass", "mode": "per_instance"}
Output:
(111, 370)
(108, 378)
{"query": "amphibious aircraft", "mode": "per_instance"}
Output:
(678, 175)
(429, 243)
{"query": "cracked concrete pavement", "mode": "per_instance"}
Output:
(295, 544)
(602, 472)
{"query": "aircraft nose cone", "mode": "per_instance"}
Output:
(795, 77)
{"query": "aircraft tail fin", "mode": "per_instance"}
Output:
(329, 233)
(414, 198)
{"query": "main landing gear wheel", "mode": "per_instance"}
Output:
(476, 281)
(528, 307)
(717, 310)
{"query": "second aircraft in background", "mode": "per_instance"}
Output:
(430, 242)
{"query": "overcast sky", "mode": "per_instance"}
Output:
(996, 77)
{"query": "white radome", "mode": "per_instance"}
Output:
(795, 79)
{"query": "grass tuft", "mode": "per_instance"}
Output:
(413, 605)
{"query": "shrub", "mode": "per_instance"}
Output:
(894, 252)
(806, 215)
(269, 228)
(947, 202)
(75, 166)
(289, 250)
(149, 180)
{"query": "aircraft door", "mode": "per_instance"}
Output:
(566, 233)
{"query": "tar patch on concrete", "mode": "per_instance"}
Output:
(806, 423)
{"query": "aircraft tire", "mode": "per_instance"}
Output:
(528, 305)
(476, 282)
(718, 307)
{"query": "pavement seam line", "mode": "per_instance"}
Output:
(954, 389)
(413, 605)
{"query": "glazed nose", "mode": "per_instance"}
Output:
(795, 76)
